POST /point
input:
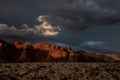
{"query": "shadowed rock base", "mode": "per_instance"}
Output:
(60, 71)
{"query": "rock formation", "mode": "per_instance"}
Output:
(54, 53)
(44, 52)
(7, 51)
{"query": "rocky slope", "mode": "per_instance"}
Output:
(44, 52)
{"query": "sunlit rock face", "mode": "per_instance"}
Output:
(41, 45)
(55, 53)
(18, 45)
(44, 52)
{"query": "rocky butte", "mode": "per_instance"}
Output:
(44, 52)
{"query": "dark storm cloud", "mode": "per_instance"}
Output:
(64, 18)
(81, 13)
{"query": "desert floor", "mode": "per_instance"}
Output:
(60, 71)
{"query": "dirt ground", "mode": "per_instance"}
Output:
(60, 71)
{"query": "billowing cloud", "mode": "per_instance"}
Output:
(57, 22)
(24, 31)
(46, 27)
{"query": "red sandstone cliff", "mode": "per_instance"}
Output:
(44, 52)
(55, 53)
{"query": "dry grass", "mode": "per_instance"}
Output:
(60, 71)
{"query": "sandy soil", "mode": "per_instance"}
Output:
(60, 71)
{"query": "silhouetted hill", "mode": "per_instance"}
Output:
(2, 41)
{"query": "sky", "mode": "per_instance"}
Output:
(78, 23)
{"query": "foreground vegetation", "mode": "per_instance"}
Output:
(60, 71)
